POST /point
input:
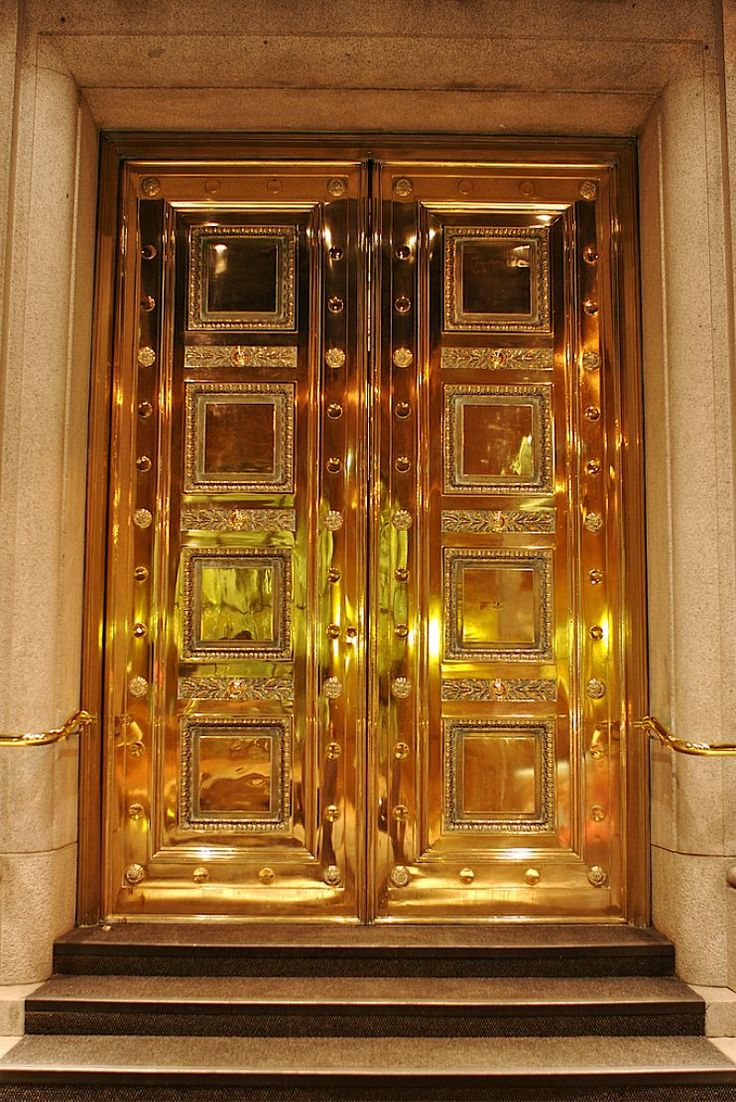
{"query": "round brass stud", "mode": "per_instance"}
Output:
(401, 750)
(266, 875)
(465, 187)
(402, 410)
(146, 357)
(590, 307)
(401, 631)
(596, 689)
(274, 185)
(212, 185)
(139, 630)
(143, 463)
(593, 466)
(402, 252)
(593, 522)
(401, 574)
(402, 464)
(200, 875)
(467, 875)
(145, 409)
(588, 189)
(532, 877)
(335, 358)
(402, 304)
(150, 186)
(136, 749)
(591, 361)
(134, 873)
(332, 876)
(138, 686)
(332, 688)
(592, 413)
(333, 574)
(401, 688)
(333, 631)
(149, 252)
(333, 751)
(597, 813)
(499, 688)
(403, 357)
(334, 411)
(403, 186)
(400, 876)
(335, 253)
(595, 576)
(597, 876)
(140, 573)
(590, 254)
(402, 520)
(148, 303)
(136, 811)
(142, 518)
(351, 634)
(333, 520)
(596, 632)
(335, 305)
(527, 188)
(400, 813)
(337, 186)
(334, 465)
(332, 813)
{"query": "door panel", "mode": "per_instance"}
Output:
(371, 647)
(237, 578)
(495, 582)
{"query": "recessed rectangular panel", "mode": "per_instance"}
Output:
(497, 279)
(497, 439)
(497, 605)
(235, 773)
(242, 277)
(236, 603)
(239, 437)
(499, 775)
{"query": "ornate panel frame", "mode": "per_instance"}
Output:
(278, 730)
(454, 731)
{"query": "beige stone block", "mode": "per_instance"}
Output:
(6, 1043)
(38, 903)
(727, 1045)
(390, 111)
(731, 927)
(370, 61)
(720, 1011)
(38, 789)
(555, 20)
(662, 796)
(12, 1008)
(689, 906)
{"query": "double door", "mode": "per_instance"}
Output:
(369, 645)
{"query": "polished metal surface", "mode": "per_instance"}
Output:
(374, 627)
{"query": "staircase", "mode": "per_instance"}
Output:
(308, 1013)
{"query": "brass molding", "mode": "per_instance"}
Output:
(657, 730)
(77, 722)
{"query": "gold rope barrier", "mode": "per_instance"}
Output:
(78, 722)
(697, 749)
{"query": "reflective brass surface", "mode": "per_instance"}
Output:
(364, 550)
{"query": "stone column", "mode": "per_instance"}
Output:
(688, 365)
(47, 188)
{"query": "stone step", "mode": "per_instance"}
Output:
(361, 1007)
(310, 1069)
(345, 950)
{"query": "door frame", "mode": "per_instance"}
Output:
(188, 148)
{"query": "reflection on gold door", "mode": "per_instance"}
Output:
(370, 643)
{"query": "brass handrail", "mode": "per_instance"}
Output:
(697, 749)
(77, 722)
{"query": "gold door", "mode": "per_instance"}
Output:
(369, 648)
